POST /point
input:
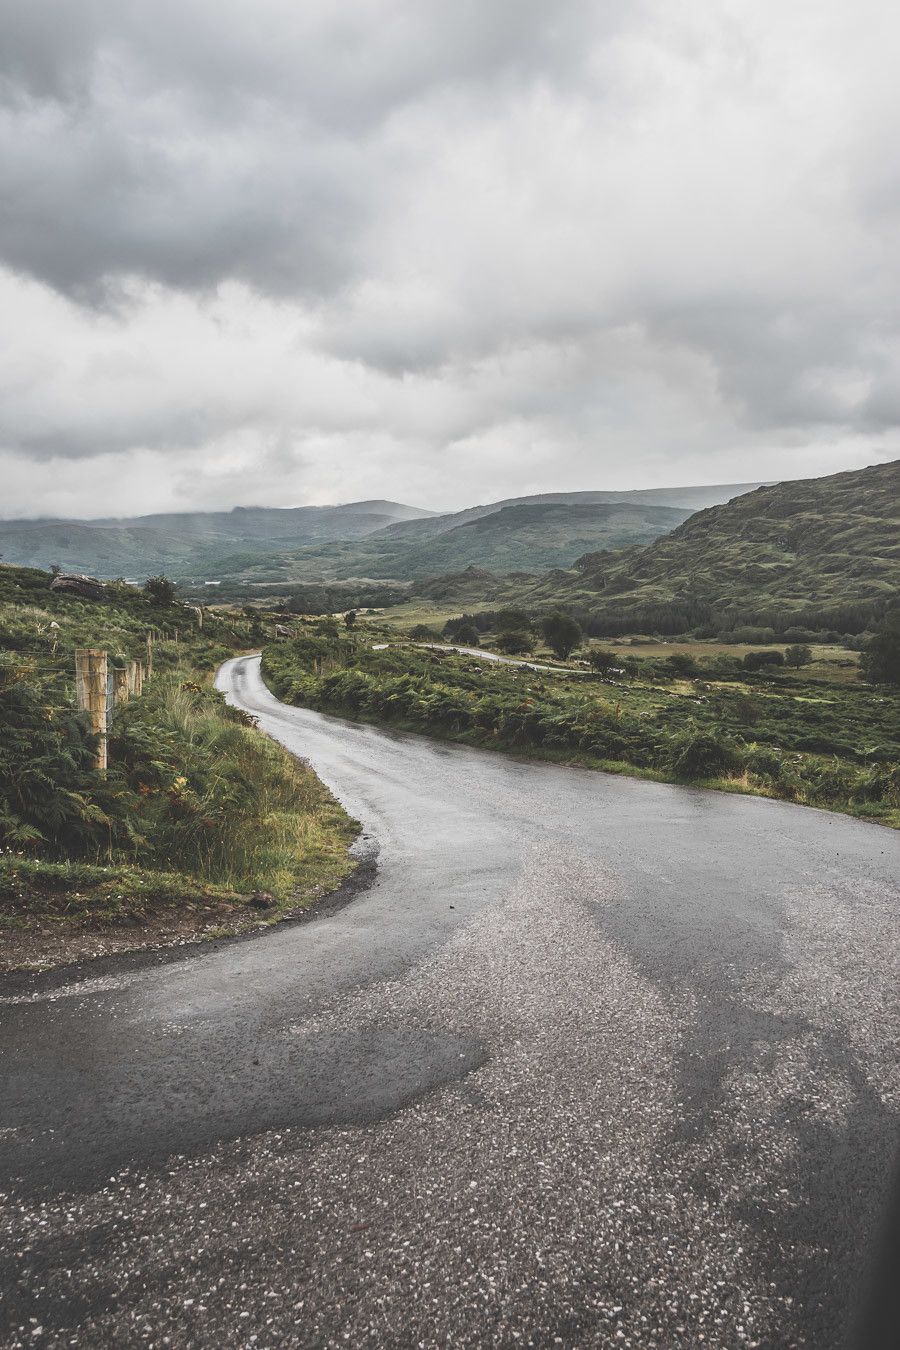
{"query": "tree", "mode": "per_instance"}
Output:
(511, 621)
(603, 662)
(159, 590)
(513, 643)
(561, 634)
(467, 635)
(797, 656)
(350, 618)
(879, 661)
(682, 663)
(756, 660)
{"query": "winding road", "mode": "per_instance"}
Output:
(591, 1062)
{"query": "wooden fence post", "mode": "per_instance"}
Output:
(149, 655)
(121, 689)
(91, 692)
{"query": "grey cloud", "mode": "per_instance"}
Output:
(402, 234)
(192, 144)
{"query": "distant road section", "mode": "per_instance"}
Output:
(594, 1062)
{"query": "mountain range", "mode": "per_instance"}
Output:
(816, 543)
(377, 539)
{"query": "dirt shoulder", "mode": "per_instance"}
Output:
(45, 927)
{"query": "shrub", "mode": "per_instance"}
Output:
(700, 754)
(513, 643)
(467, 635)
(603, 662)
(765, 764)
(159, 590)
(880, 659)
(46, 771)
(682, 663)
(797, 656)
(756, 660)
(511, 621)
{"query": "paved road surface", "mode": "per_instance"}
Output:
(594, 1062)
(484, 654)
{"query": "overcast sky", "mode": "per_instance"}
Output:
(262, 251)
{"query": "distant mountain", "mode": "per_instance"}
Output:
(812, 543)
(369, 539)
(527, 536)
(538, 534)
(182, 542)
(688, 498)
(308, 524)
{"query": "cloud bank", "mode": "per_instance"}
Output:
(279, 253)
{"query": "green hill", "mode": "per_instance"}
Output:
(530, 535)
(376, 539)
(202, 542)
(686, 499)
(811, 545)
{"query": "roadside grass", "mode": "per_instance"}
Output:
(197, 810)
(31, 889)
(424, 611)
(793, 736)
(222, 801)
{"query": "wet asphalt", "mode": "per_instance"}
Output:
(589, 1062)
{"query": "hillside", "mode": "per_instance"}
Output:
(686, 498)
(550, 534)
(816, 543)
(195, 811)
(183, 543)
(378, 539)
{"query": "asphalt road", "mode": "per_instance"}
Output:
(592, 1062)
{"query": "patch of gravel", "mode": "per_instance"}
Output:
(560, 1194)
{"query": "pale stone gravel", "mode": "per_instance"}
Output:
(549, 1198)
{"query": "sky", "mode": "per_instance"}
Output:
(262, 252)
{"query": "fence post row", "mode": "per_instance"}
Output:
(91, 689)
(100, 687)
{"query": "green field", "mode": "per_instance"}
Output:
(817, 735)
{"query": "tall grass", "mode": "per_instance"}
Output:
(219, 800)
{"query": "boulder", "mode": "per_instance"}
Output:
(89, 588)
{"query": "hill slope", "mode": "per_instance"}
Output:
(547, 534)
(686, 498)
(819, 542)
(181, 543)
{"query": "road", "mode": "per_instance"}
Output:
(483, 654)
(592, 1062)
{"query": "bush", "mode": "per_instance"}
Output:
(420, 632)
(159, 590)
(603, 662)
(702, 755)
(765, 764)
(757, 660)
(880, 660)
(46, 771)
(682, 663)
(798, 656)
(513, 643)
(512, 621)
